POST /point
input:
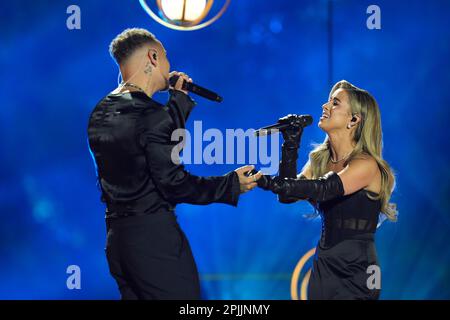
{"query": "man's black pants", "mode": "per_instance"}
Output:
(150, 257)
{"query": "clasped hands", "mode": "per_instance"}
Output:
(249, 178)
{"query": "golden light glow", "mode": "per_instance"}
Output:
(304, 286)
(183, 10)
(296, 276)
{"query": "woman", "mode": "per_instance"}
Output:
(349, 183)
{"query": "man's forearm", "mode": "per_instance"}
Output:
(201, 190)
(181, 105)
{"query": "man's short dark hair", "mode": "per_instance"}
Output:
(125, 43)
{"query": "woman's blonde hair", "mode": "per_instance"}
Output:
(368, 138)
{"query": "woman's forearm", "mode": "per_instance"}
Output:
(324, 188)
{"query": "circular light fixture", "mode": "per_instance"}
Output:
(183, 15)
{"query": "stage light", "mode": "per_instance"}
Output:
(184, 15)
(183, 11)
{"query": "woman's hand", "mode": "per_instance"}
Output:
(291, 134)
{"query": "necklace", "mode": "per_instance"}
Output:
(131, 85)
(336, 161)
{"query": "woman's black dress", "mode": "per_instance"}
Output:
(346, 248)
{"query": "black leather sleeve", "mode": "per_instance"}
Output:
(175, 183)
(180, 106)
(324, 188)
(289, 156)
(288, 168)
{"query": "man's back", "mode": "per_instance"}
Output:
(114, 131)
(130, 139)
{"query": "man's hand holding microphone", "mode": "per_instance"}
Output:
(182, 77)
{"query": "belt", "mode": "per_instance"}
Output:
(362, 236)
(119, 215)
(326, 244)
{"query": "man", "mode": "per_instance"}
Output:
(130, 138)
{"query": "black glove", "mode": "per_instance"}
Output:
(289, 149)
(291, 134)
(325, 188)
(289, 153)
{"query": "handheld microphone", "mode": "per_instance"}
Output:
(191, 87)
(292, 120)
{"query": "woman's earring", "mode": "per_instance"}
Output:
(348, 126)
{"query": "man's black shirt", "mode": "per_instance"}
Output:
(130, 140)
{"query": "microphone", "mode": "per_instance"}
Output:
(291, 120)
(191, 87)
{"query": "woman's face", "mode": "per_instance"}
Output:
(336, 113)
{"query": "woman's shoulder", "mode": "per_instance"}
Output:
(363, 162)
(366, 163)
(364, 158)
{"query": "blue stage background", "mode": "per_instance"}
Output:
(268, 59)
